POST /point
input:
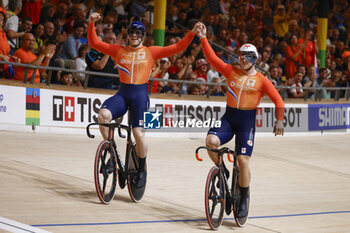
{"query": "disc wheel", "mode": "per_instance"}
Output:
(105, 172)
(239, 221)
(136, 194)
(214, 198)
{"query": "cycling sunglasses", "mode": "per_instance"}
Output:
(249, 56)
(138, 33)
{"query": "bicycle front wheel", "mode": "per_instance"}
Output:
(214, 198)
(105, 172)
(136, 194)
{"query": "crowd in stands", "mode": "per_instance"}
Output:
(54, 33)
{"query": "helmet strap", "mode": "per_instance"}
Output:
(250, 68)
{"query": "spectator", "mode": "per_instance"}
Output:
(296, 91)
(32, 9)
(100, 62)
(233, 40)
(171, 87)
(265, 59)
(83, 39)
(203, 88)
(228, 56)
(311, 72)
(49, 29)
(280, 21)
(65, 78)
(216, 90)
(5, 71)
(293, 29)
(69, 50)
(210, 25)
(26, 25)
(47, 13)
(202, 67)
(221, 41)
(11, 26)
(80, 62)
(212, 72)
(77, 17)
(310, 49)
(154, 74)
(4, 45)
(323, 81)
(72, 44)
(275, 76)
(38, 33)
(193, 89)
(344, 81)
(346, 58)
(335, 77)
(293, 56)
(302, 69)
(26, 56)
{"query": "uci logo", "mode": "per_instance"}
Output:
(232, 83)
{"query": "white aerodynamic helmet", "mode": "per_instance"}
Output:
(249, 52)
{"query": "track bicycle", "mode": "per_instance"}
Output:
(219, 196)
(109, 165)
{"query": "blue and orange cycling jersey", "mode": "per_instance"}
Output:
(135, 64)
(243, 91)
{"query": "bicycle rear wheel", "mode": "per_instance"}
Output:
(136, 194)
(239, 221)
(105, 172)
(214, 198)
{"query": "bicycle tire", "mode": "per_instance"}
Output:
(105, 167)
(214, 195)
(239, 221)
(136, 194)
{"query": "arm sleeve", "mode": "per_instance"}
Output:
(215, 61)
(159, 52)
(100, 46)
(273, 94)
(71, 48)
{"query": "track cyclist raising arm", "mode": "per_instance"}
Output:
(245, 88)
(134, 63)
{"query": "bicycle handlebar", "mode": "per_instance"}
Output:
(220, 151)
(110, 126)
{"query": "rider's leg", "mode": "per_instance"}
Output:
(141, 150)
(243, 181)
(141, 146)
(104, 116)
(213, 142)
(244, 171)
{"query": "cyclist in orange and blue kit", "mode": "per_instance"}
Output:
(134, 63)
(245, 88)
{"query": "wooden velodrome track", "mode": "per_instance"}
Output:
(299, 184)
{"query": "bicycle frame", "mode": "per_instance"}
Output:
(231, 191)
(129, 144)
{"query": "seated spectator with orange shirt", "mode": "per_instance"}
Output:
(26, 56)
(5, 48)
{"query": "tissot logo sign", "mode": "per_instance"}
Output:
(74, 109)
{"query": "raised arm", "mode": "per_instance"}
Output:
(210, 55)
(95, 43)
(159, 52)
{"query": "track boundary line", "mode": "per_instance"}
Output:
(190, 220)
